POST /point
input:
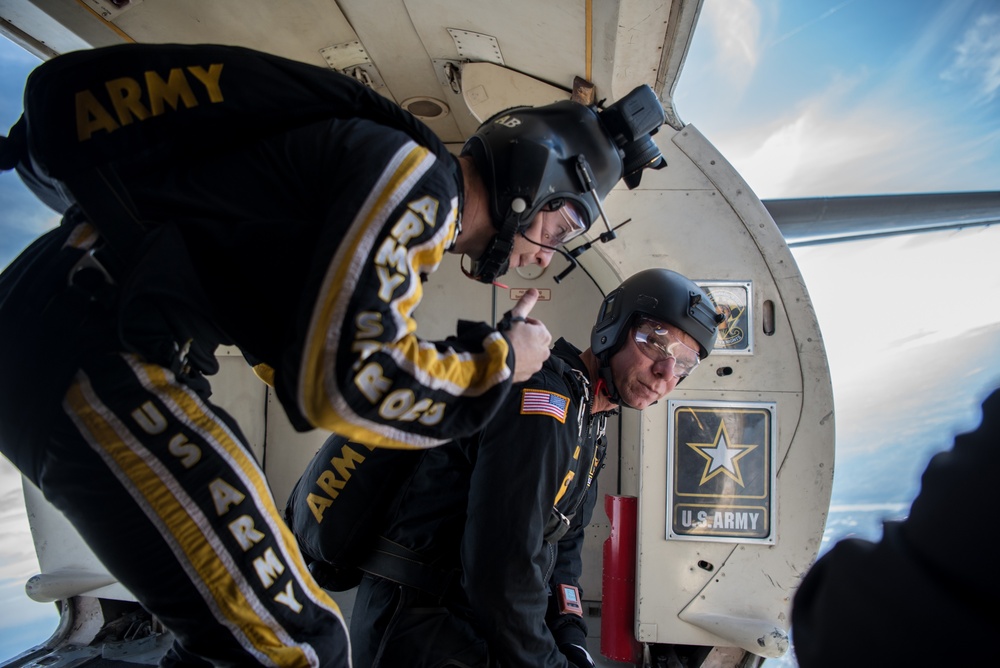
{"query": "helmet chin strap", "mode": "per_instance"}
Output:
(606, 379)
(495, 260)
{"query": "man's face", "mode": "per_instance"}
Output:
(551, 228)
(652, 361)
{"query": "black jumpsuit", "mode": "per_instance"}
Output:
(925, 594)
(478, 513)
(305, 248)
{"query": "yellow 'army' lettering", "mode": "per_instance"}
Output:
(427, 207)
(328, 481)
(390, 259)
(125, 95)
(267, 566)
(287, 597)
(245, 533)
(225, 497)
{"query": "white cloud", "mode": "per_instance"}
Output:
(821, 149)
(735, 29)
(797, 29)
(835, 143)
(900, 294)
(910, 337)
(977, 57)
(870, 131)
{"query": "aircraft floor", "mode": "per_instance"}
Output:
(345, 599)
(147, 651)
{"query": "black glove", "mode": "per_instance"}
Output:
(577, 655)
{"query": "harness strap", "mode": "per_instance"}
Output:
(46, 300)
(403, 566)
(558, 524)
(99, 192)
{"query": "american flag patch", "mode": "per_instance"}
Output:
(540, 402)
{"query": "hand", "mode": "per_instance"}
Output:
(577, 656)
(528, 337)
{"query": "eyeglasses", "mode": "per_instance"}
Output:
(569, 223)
(657, 343)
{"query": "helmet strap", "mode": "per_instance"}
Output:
(496, 258)
(605, 380)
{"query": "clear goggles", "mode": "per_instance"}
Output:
(562, 222)
(657, 343)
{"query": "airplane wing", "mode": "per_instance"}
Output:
(817, 220)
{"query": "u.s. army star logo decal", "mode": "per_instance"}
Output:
(722, 456)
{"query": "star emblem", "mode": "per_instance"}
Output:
(722, 457)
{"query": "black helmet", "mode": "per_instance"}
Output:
(533, 158)
(663, 295)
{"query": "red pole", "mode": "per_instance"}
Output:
(618, 608)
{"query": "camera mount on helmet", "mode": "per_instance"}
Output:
(530, 156)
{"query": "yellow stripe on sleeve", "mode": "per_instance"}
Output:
(341, 281)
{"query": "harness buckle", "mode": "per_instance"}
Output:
(88, 261)
(91, 280)
(556, 527)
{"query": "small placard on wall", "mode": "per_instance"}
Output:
(734, 300)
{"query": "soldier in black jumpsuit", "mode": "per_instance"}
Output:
(137, 457)
(304, 245)
(496, 562)
(481, 546)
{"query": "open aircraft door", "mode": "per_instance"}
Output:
(730, 474)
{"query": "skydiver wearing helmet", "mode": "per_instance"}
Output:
(479, 554)
(554, 165)
(218, 195)
(654, 323)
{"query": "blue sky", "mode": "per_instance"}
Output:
(23, 622)
(805, 98)
(812, 98)
(22, 217)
